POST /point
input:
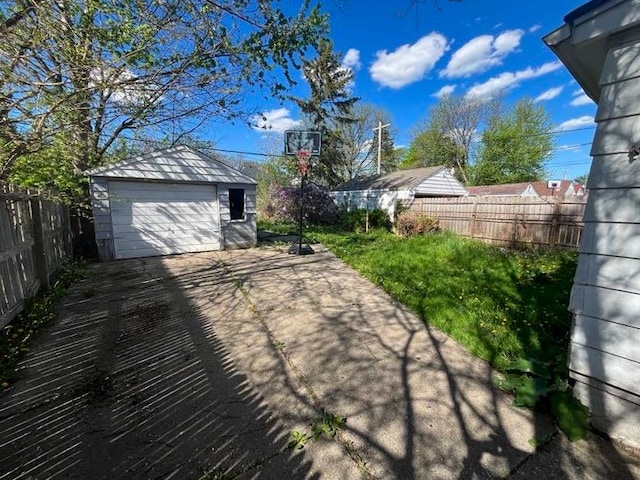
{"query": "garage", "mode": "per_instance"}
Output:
(159, 219)
(169, 202)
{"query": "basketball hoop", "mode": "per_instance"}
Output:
(302, 157)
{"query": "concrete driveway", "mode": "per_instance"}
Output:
(201, 366)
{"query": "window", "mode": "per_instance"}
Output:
(236, 203)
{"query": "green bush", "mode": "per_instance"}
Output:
(356, 220)
(410, 223)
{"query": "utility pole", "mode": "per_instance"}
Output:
(379, 128)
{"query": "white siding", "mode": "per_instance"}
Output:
(372, 199)
(605, 353)
(152, 218)
(610, 18)
(442, 184)
(238, 233)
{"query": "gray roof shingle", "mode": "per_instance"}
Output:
(397, 180)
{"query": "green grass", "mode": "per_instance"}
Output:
(501, 305)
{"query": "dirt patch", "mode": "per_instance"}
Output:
(98, 386)
(149, 316)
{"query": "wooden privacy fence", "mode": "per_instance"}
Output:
(510, 221)
(35, 238)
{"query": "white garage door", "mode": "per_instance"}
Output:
(163, 218)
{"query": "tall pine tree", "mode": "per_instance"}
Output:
(328, 106)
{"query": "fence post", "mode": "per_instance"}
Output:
(38, 243)
(473, 217)
(66, 231)
(555, 230)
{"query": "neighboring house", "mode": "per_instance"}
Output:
(524, 189)
(600, 45)
(383, 191)
(565, 188)
(171, 201)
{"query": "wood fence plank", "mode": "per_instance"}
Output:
(32, 246)
(510, 220)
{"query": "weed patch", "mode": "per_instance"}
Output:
(327, 424)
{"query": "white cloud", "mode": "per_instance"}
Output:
(352, 59)
(580, 122)
(409, 63)
(276, 121)
(508, 80)
(570, 148)
(482, 53)
(535, 28)
(549, 94)
(580, 98)
(444, 91)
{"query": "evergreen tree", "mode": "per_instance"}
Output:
(328, 108)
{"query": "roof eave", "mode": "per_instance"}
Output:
(581, 43)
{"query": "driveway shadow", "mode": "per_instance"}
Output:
(132, 382)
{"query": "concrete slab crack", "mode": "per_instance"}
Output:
(317, 404)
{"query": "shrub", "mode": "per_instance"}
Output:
(284, 205)
(410, 223)
(356, 220)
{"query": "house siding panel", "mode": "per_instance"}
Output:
(615, 136)
(619, 100)
(612, 411)
(618, 371)
(616, 239)
(608, 20)
(614, 205)
(614, 171)
(606, 294)
(621, 64)
(100, 205)
(610, 336)
(620, 307)
(609, 271)
(442, 184)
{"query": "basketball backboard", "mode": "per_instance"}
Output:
(297, 140)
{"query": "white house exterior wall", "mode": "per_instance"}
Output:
(605, 344)
(371, 199)
(442, 184)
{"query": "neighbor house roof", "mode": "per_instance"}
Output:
(509, 189)
(398, 180)
(542, 188)
(174, 164)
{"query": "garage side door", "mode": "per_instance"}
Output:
(163, 218)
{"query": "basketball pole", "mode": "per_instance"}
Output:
(301, 213)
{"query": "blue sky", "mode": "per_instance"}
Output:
(404, 57)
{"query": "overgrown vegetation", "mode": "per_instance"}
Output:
(507, 307)
(327, 424)
(284, 205)
(410, 223)
(40, 311)
(360, 220)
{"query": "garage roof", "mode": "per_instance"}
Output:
(398, 180)
(181, 163)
